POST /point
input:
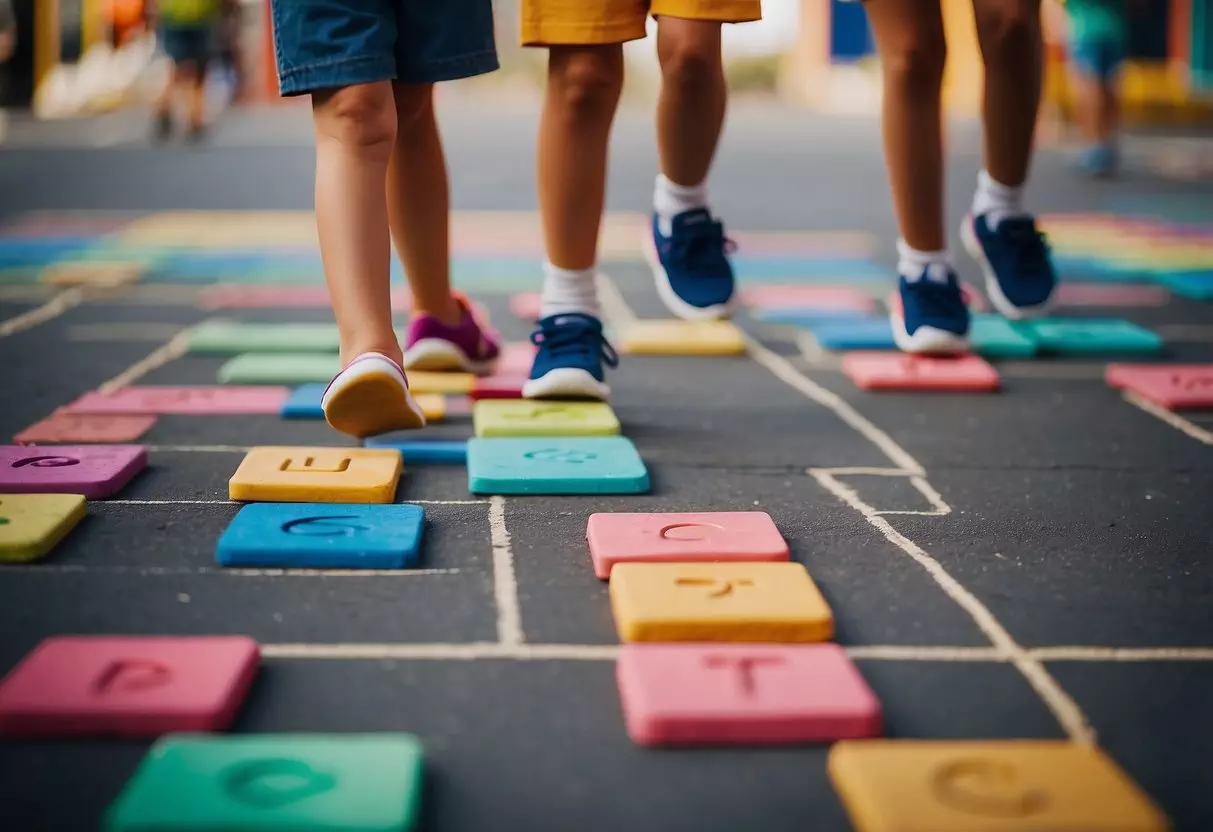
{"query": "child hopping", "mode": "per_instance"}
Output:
(381, 178)
(585, 41)
(998, 233)
(1099, 35)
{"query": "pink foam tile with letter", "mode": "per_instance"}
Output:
(835, 298)
(897, 371)
(498, 387)
(683, 537)
(127, 686)
(525, 305)
(1174, 386)
(198, 401)
(516, 359)
(743, 694)
(96, 471)
(62, 426)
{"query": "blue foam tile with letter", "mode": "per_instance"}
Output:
(421, 451)
(304, 402)
(323, 536)
(556, 465)
(1195, 285)
(860, 334)
(1091, 336)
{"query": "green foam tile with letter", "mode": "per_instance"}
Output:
(234, 337)
(523, 417)
(295, 782)
(284, 368)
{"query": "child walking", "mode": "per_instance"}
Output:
(187, 30)
(585, 41)
(381, 177)
(1099, 35)
(931, 316)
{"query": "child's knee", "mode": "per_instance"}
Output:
(587, 81)
(917, 62)
(690, 52)
(414, 106)
(361, 116)
(1009, 26)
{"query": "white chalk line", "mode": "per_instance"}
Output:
(610, 652)
(124, 332)
(96, 503)
(505, 580)
(241, 572)
(1173, 419)
(176, 347)
(1063, 707)
(53, 308)
(939, 506)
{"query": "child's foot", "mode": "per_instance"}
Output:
(467, 347)
(691, 264)
(930, 315)
(369, 397)
(1016, 263)
(569, 364)
(1099, 161)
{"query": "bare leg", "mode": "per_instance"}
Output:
(1013, 50)
(690, 111)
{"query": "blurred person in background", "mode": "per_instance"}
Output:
(187, 30)
(229, 47)
(1099, 38)
(8, 46)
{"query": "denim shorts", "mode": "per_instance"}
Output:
(187, 44)
(1097, 58)
(322, 44)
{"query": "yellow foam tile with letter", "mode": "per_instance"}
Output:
(733, 602)
(442, 383)
(1004, 786)
(32, 524)
(317, 475)
(432, 405)
(672, 337)
(521, 417)
(86, 273)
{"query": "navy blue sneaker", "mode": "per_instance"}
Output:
(1016, 262)
(930, 315)
(569, 363)
(691, 265)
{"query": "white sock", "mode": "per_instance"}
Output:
(996, 200)
(671, 199)
(567, 291)
(912, 264)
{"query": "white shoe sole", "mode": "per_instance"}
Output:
(441, 356)
(371, 397)
(566, 383)
(993, 291)
(669, 297)
(927, 340)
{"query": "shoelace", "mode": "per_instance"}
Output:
(937, 300)
(576, 335)
(1029, 248)
(700, 245)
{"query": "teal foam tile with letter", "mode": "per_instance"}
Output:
(296, 782)
(992, 336)
(1197, 285)
(556, 465)
(1091, 336)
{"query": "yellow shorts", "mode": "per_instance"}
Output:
(597, 22)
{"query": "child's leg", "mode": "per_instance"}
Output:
(355, 136)
(998, 233)
(197, 97)
(930, 316)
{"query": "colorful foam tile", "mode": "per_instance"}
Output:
(207, 400)
(815, 298)
(680, 537)
(795, 269)
(695, 694)
(444, 383)
(234, 338)
(280, 297)
(992, 336)
(275, 474)
(64, 426)
(270, 368)
(897, 371)
(809, 318)
(1174, 386)
(516, 359)
(1191, 285)
(96, 471)
(304, 403)
(296, 782)
(99, 273)
(1110, 295)
(522, 417)
(711, 602)
(31, 525)
(127, 686)
(425, 451)
(1014, 786)
(873, 334)
(674, 337)
(556, 465)
(499, 387)
(526, 306)
(323, 536)
(1090, 336)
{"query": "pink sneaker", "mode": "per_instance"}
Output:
(369, 397)
(469, 347)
